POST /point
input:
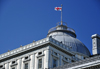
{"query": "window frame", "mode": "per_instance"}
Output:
(53, 62)
(41, 63)
(41, 56)
(13, 64)
(13, 67)
(25, 61)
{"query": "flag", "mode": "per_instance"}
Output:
(58, 8)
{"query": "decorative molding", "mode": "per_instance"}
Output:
(40, 55)
(13, 64)
(33, 45)
(26, 60)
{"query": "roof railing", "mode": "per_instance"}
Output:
(64, 24)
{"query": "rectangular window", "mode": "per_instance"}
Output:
(54, 63)
(26, 65)
(39, 63)
(55, 53)
(13, 68)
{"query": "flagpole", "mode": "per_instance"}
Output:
(61, 16)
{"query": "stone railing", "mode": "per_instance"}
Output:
(60, 44)
(68, 29)
(33, 45)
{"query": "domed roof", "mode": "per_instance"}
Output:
(68, 37)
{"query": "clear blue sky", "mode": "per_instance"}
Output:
(22, 21)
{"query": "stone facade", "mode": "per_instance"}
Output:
(88, 63)
(63, 52)
(46, 49)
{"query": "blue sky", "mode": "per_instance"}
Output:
(22, 21)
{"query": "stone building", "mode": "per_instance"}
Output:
(59, 50)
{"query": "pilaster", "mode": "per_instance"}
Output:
(31, 61)
(47, 60)
(19, 63)
(7, 66)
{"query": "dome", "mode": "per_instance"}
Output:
(67, 36)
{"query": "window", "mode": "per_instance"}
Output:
(13, 62)
(54, 63)
(13, 68)
(40, 63)
(72, 60)
(66, 58)
(26, 57)
(55, 53)
(26, 65)
(39, 53)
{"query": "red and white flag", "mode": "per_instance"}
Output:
(58, 8)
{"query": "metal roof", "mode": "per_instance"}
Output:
(68, 38)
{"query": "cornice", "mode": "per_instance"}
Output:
(34, 45)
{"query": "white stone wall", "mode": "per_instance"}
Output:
(20, 60)
(47, 58)
(60, 57)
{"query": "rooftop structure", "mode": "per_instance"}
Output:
(67, 36)
(59, 50)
